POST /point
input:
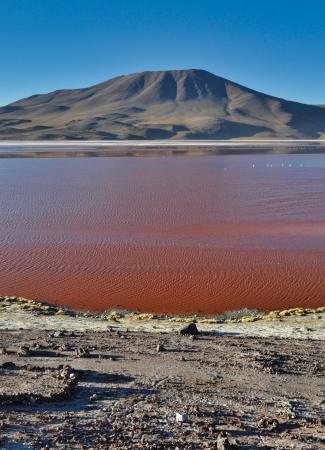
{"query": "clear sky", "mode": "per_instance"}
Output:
(273, 46)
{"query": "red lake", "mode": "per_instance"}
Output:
(164, 234)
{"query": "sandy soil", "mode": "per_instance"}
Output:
(105, 384)
(264, 393)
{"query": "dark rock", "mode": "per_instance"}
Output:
(189, 330)
(24, 351)
(268, 423)
(64, 348)
(223, 442)
(160, 347)
(81, 352)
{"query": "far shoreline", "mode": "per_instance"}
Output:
(80, 149)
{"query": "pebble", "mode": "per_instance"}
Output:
(268, 423)
(160, 347)
(181, 417)
(58, 334)
(223, 442)
(24, 351)
(81, 352)
(93, 397)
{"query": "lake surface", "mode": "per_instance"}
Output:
(165, 234)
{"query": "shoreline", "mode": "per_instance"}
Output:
(18, 313)
(79, 149)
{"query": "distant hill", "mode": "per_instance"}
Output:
(173, 104)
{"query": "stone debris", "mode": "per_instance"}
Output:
(36, 384)
(213, 394)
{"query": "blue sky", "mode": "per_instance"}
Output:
(277, 47)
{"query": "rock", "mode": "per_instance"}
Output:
(53, 391)
(181, 417)
(58, 334)
(160, 347)
(190, 330)
(24, 351)
(317, 368)
(194, 409)
(268, 423)
(66, 373)
(93, 397)
(81, 352)
(223, 442)
(3, 351)
(64, 348)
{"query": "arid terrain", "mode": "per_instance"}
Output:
(73, 381)
(174, 104)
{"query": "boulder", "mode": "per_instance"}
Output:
(189, 330)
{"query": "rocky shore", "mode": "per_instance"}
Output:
(121, 380)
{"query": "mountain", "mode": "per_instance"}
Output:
(173, 104)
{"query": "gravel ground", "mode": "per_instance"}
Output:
(115, 390)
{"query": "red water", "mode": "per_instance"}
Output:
(168, 234)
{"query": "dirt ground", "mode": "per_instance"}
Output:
(115, 390)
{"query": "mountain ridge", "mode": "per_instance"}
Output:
(172, 104)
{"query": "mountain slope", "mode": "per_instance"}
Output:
(176, 104)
